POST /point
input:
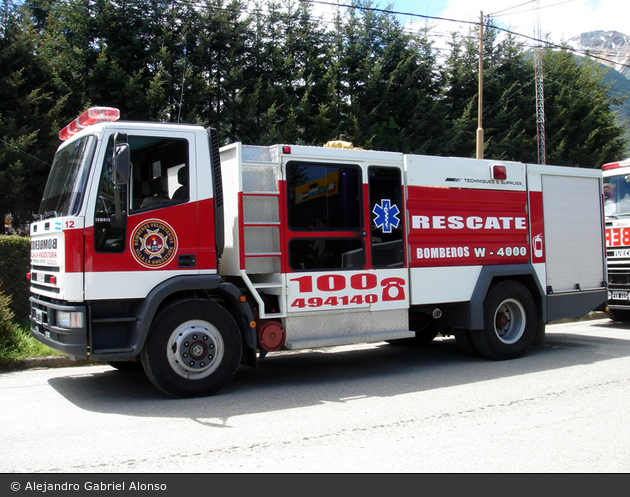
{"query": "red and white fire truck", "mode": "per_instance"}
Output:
(155, 245)
(617, 212)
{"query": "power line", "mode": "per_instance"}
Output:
(19, 150)
(510, 8)
(472, 23)
(531, 10)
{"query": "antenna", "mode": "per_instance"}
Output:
(540, 95)
(480, 136)
(181, 96)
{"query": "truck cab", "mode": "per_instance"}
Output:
(616, 177)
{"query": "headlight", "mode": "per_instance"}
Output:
(69, 319)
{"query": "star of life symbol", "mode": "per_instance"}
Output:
(386, 216)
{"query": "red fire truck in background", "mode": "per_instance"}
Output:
(617, 213)
(154, 244)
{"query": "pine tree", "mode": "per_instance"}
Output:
(581, 129)
(29, 110)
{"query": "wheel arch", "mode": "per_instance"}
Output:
(524, 274)
(212, 287)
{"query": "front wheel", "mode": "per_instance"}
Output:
(193, 349)
(510, 322)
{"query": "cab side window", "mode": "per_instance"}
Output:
(159, 171)
(159, 178)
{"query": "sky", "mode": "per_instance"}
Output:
(560, 20)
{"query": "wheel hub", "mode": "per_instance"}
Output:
(502, 321)
(195, 349)
(509, 321)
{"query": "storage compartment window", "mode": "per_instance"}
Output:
(311, 254)
(324, 197)
(325, 200)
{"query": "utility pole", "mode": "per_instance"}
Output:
(480, 97)
(540, 95)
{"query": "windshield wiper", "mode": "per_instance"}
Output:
(618, 215)
(49, 214)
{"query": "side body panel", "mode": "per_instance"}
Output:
(573, 240)
(461, 220)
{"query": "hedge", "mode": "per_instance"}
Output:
(15, 259)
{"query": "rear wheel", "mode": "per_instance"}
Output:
(193, 349)
(510, 322)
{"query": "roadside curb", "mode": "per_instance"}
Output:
(45, 363)
(64, 361)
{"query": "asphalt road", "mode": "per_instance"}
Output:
(363, 409)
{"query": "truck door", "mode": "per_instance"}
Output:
(154, 242)
(345, 237)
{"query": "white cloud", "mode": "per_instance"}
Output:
(559, 19)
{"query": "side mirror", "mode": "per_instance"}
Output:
(122, 172)
(122, 163)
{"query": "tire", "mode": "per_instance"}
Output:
(510, 322)
(193, 349)
(464, 341)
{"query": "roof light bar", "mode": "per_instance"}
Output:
(91, 116)
(615, 165)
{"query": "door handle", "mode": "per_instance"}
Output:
(186, 260)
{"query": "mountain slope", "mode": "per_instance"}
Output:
(611, 47)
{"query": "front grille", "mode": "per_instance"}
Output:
(45, 279)
(618, 274)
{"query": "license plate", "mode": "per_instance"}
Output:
(39, 316)
(620, 295)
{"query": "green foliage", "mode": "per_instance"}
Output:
(15, 342)
(14, 265)
(7, 327)
(270, 71)
(582, 129)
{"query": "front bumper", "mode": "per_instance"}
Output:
(44, 327)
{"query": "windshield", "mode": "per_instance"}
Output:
(67, 180)
(617, 195)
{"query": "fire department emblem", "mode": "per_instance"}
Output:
(153, 243)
